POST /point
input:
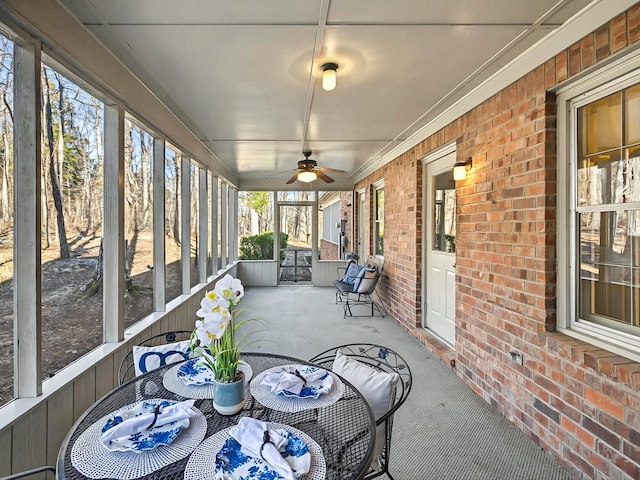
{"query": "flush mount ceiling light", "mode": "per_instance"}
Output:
(329, 76)
(460, 169)
(307, 176)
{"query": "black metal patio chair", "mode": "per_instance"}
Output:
(356, 285)
(381, 359)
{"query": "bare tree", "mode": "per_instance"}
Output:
(61, 126)
(7, 211)
(6, 90)
(145, 160)
(55, 190)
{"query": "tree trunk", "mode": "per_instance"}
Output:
(195, 197)
(55, 190)
(6, 208)
(95, 285)
(128, 261)
(130, 185)
(45, 209)
(144, 171)
(60, 143)
(7, 213)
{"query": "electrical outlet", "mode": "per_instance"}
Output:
(517, 357)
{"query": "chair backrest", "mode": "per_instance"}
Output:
(127, 369)
(369, 275)
(366, 281)
(374, 262)
(385, 360)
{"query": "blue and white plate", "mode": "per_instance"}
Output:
(311, 389)
(230, 461)
(148, 439)
(195, 372)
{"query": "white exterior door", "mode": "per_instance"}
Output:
(361, 211)
(439, 286)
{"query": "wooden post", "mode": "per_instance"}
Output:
(224, 218)
(113, 280)
(215, 255)
(159, 267)
(27, 281)
(203, 225)
(185, 192)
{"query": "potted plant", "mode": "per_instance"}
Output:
(214, 339)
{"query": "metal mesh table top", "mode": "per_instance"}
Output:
(345, 430)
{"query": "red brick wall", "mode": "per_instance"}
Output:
(399, 285)
(328, 250)
(578, 402)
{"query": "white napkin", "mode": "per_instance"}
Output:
(249, 433)
(289, 381)
(171, 413)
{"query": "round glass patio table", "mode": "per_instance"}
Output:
(345, 430)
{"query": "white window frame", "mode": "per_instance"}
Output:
(379, 185)
(616, 75)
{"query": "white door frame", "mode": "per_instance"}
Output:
(361, 209)
(314, 232)
(426, 221)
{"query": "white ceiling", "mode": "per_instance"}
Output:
(244, 75)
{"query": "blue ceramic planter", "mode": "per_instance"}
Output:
(229, 398)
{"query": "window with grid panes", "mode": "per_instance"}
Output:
(605, 214)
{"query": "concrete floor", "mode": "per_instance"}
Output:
(444, 430)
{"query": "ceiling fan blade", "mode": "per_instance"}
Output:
(327, 169)
(280, 173)
(292, 179)
(324, 177)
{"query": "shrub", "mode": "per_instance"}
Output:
(260, 247)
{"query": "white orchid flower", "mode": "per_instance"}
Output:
(212, 302)
(211, 328)
(230, 289)
(213, 339)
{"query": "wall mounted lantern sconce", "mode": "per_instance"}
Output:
(460, 169)
(329, 76)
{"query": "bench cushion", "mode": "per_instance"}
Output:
(343, 287)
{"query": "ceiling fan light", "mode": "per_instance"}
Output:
(307, 176)
(329, 76)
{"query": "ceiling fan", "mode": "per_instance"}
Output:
(308, 170)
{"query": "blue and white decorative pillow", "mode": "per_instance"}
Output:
(353, 269)
(146, 359)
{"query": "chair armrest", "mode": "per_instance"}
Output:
(341, 271)
(31, 472)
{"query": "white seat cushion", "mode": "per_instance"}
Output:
(378, 389)
(146, 359)
(365, 280)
